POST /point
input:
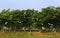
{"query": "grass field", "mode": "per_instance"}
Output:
(24, 35)
(18, 36)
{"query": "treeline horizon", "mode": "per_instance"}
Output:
(46, 19)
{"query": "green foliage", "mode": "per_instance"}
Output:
(30, 19)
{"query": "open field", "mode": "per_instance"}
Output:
(26, 36)
(29, 35)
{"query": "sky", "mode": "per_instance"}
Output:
(28, 4)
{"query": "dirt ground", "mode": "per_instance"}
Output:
(33, 33)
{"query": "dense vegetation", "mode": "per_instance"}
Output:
(46, 19)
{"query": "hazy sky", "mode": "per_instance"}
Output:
(27, 4)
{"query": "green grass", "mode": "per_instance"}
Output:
(11, 35)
